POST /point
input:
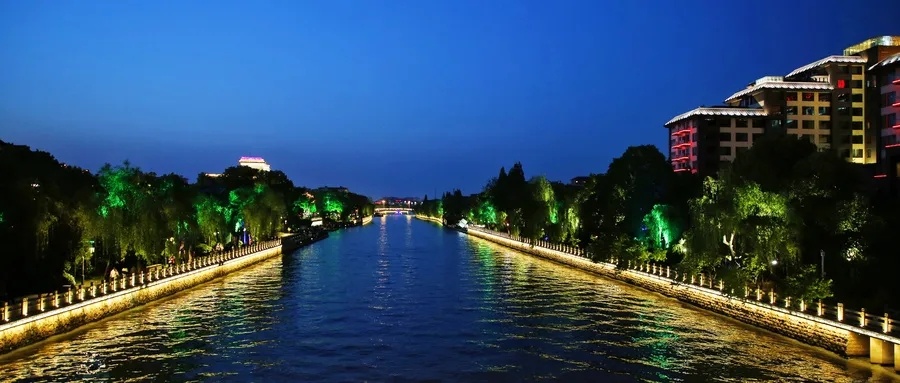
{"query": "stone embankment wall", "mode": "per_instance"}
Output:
(38, 325)
(803, 327)
(432, 219)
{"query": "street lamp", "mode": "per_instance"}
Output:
(822, 254)
(91, 249)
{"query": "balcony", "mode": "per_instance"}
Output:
(686, 144)
(681, 132)
(896, 81)
(896, 127)
(687, 158)
(896, 104)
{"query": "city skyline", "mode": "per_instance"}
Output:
(408, 97)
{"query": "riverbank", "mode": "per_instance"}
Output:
(430, 219)
(841, 338)
(29, 321)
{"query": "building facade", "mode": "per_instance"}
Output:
(257, 163)
(832, 102)
(703, 138)
(886, 75)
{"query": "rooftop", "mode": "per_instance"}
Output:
(718, 111)
(828, 60)
(252, 159)
(890, 60)
(793, 85)
(883, 41)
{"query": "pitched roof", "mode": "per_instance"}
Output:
(795, 85)
(729, 112)
(828, 60)
(890, 60)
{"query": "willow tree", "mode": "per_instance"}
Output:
(263, 212)
(740, 231)
(212, 218)
(131, 211)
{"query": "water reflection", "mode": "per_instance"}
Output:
(404, 300)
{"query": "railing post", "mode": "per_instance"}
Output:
(759, 294)
(787, 302)
(41, 299)
(25, 307)
(701, 279)
(802, 305)
(840, 312)
(81, 293)
(142, 277)
(772, 296)
(887, 325)
(721, 285)
(104, 287)
(6, 311)
(93, 290)
(821, 309)
(862, 317)
(132, 279)
(668, 272)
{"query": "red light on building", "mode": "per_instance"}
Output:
(841, 84)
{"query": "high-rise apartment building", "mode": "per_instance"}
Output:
(886, 75)
(829, 102)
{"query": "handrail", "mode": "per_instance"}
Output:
(26, 307)
(861, 322)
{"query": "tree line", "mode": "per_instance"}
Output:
(771, 218)
(60, 223)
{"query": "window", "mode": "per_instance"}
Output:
(724, 122)
(824, 124)
(824, 111)
(856, 69)
(858, 140)
(808, 110)
(694, 137)
(841, 84)
(890, 120)
(808, 96)
(843, 111)
(740, 137)
(843, 97)
(824, 139)
(857, 111)
(741, 123)
(857, 153)
(825, 97)
(724, 150)
(888, 98)
(725, 137)
(809, 124)
(791, 110)
(790, 96)
(857, 125)
(790, 124)
(856, 84)
(857, 97)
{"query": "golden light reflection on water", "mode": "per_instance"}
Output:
(153, 341)
(634, 326)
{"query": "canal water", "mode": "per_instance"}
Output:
(403, 300)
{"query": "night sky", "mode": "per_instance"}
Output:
(391, 97)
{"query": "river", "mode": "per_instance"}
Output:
(404, 300)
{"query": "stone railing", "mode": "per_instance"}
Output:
(25, 307)
(858, 321)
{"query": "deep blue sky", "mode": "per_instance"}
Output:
(391, 97)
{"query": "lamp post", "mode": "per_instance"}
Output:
(91, 249)
(822, 254)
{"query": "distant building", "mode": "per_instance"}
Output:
(257, 163)
(579, 181)
(838, 103)
(338, 189)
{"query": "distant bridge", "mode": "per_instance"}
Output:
(394, 210)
